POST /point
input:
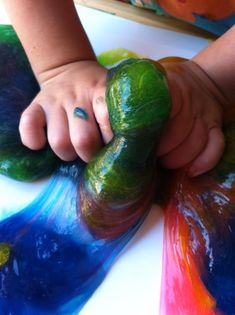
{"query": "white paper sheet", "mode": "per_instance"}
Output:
(132, 286)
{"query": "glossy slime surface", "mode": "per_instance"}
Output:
(18, 86)
(51, 261)
(199, 256)
(118, 184)
(49, 238)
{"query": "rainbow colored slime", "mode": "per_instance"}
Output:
(199, 256)
(117, 187)
(53, 255)
(50, 237)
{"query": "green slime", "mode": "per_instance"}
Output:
(118, 183)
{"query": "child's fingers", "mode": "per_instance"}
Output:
(189, 149)
(177, 130)
(102, 118)
(83, 132)
(101, 115)
(31, 127)
(58, 134)
(211, 155)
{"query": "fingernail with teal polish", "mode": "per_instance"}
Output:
(80, 113)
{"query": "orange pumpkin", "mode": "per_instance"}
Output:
(211, 9)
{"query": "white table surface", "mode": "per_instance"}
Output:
(132, 287)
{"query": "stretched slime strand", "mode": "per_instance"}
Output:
(46, 240)
(118, 184)
(45, 248)
(198, 274)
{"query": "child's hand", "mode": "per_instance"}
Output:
(80, 84)
(193, 136)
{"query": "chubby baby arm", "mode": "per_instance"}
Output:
(80, 85)
(69, 76)
(202, 91)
